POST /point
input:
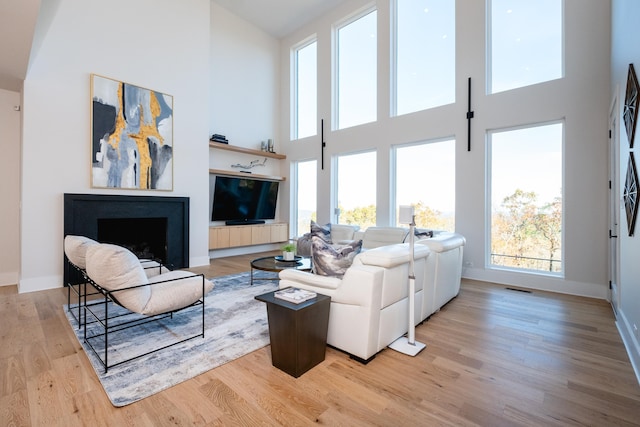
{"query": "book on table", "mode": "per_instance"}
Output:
(295, 295)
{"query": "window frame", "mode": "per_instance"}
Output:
(335, 66)
(489, 204)
(393, 198)
(294, 101)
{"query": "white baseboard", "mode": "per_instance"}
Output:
(199, 261)
(537, 281)
(39, 284)
(8, 279)
(630, 342)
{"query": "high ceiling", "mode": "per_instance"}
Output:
(279, 17)
(18, 22)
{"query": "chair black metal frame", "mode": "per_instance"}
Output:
(80, 289)
(91, 315)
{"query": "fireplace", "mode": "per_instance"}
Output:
(150, 226)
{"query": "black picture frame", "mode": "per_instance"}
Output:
(630, 108)
(630, 195)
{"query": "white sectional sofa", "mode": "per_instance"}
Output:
(369, 304)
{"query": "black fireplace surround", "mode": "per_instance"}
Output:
(84, 212)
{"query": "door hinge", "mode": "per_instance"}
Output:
(609, 284)
(609, 133)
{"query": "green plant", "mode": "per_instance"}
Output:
(289, 247)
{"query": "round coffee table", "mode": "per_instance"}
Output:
(270, 263)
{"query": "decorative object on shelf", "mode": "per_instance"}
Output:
(630, 108)
(251, 165)
(289, 252)
(630, 195)
(216, 137)
(131, 136)
(270, 146)
(408, 345)
(263, 146)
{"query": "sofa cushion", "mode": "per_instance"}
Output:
(375, 237)
(342, 233)
(332, 261)
(114, 267)
(75, 248)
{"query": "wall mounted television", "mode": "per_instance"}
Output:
(244, 200)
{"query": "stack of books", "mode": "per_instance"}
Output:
(295, 295)
(216, 137)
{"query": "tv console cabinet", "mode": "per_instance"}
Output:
(232, 236)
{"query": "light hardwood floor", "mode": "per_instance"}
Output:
(494, 357)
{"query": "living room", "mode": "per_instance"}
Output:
(228, 76)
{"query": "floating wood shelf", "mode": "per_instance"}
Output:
(237, 149)
(246, 175)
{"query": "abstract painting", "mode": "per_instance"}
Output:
(630, 195)
(630, 107)
(131, 136)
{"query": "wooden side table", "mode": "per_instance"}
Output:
(298, 332)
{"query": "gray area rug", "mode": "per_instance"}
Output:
(235, 325)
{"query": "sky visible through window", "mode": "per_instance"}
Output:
(425, 48)
(357, 71)
(526, 43)
(306, 91)
(528, 159)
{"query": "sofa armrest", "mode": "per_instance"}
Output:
(309, 279)
(361, 284)
(443, 242)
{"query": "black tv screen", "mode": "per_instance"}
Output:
(242, 199)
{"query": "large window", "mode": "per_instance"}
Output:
(356, 72)
(305, 91)
(356, 189)
(305, 195)
(425, 177)
(425, 46)
(526, 198)
(525, 42)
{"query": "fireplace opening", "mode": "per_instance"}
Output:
(145, 237)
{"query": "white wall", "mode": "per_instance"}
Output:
(626, 50)
(162, 45)
(581, 99)
(245, 73)
(9, 186)
(245, 77)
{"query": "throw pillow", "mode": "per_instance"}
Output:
(322, 231)
(330, 261)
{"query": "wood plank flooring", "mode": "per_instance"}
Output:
(494, 357)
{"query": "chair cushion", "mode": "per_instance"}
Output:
(114, 267)
(75, 248)
(175, 294)
(332, 261)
